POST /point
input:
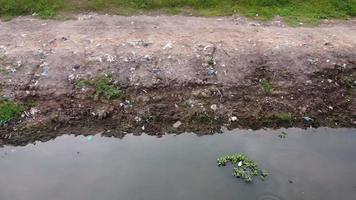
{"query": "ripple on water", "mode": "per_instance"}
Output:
(268, 196)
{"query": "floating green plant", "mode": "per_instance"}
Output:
(244, 168)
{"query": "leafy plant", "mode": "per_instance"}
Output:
(244, 168)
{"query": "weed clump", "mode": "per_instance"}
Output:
(244, 168)
(266, 86)
(103, 86)
(9, 110)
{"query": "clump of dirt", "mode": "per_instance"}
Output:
(101, 80)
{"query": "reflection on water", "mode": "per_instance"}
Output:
(307, 164)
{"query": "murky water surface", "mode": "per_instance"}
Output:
(307, 164)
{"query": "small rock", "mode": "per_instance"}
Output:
(76, 66)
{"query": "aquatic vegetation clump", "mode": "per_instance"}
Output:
(244, 168)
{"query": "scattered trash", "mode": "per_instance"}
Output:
(138, 119)
(233, 119)
(169, 45)
(308, 119)
(110, 58)
(156, 71)
(139, 43)
(146, 58)
(212, 71)
(143, 128)
(85, 17)
(313, 61)
(45, 69)
(177, 124)
(214, 107)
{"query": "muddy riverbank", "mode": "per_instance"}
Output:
(115, 75)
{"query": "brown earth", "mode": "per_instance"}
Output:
(177, 74)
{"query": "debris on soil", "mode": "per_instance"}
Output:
(245, 169)
(212, 71)
(214, 107)
(169, 45)
(177, 124)
(308, 119)
(282, 135)
(233, 119)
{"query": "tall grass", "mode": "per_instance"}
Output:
(292, 10)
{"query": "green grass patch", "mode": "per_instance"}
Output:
(278, 118)
(9, 110)
(293, 11)
(103, 86)
(244, 168)
(266, 87)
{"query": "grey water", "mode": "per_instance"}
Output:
(308, 164)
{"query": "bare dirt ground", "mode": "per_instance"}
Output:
(177, 73)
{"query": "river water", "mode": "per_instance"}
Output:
(308, 164)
